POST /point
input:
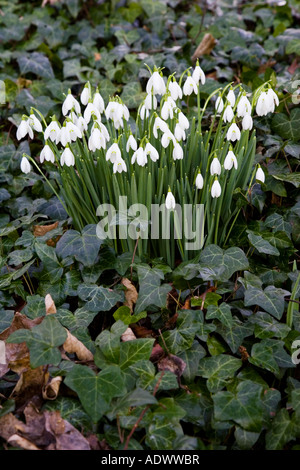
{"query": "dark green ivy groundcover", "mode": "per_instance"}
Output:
(99, 351)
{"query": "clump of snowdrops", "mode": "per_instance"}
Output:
(161, 157)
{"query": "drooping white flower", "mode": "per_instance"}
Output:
(175, 90)
(25, 165)
(231, 98)
(273, 97)
(233, 133)
(167, 137)
(215, 167)
(70, 103)
(161, 125)
(183, 121)
(219, 105)
(152, 152)
(260, 176)
(167, 108)
(89, 111)
(150, 102)
(47, 154)
(228, 114)
(190, 86)
(170, 201)
(67, 157)
(244, 106)
(216, 189)
(52, 131)
(23, 129)
(131, 143)
(156, 84)
(81, 124)
(68, 133)
(230, 161)
(113, 153)
(198, 75)
(86, 94)
(98, 102)
(199, 181)
(96, 140)
(264, 104)
(104, 131)
(247, 122)
(119, 166)
(177, 152)
(144, 113)
(179, 133)
(139, 156)
(35, 123)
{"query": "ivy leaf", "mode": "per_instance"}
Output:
(262, 356)
(150, 292)
(123, 314)
(191, 357)
(182, 337)
(109, 342)
(50, 262)
(271, 299)
(231, 260)
(84, 247)
(36, 63)
(262, 245)
(267, 327)
(132, 94)
(235, 333)
(218, 370)
(221, 312)
(135, 350)
(287, 126)
(98, 298)
(245, 439)
(281, 431)
(160, 435)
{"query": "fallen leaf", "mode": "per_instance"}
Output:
(294, 66)
(205, 47)
(50, 305)
(128, 335)
(51, 389)
(40, 230)
(265, 66)
(142, 331)
(8, 425)
(131, 294)
(23, 82)
(97, 56)
(19, 441)
(73, 345)
(29, 385)
(173, 364)
(157, 353)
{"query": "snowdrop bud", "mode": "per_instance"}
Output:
(47, 154)
(126, 114)
(179, 133)
(119, 166)
(35, 123)
(144, 112)
(199, 181)
(177, 152)
(98, 102)
(25, 165)
(152, 152)
(230, 161)
(175, 90)
(86, 94)
(233, 133)
(247, 122)
(156, 84)
(198, 75)
(228, 114)
(216, 189)
(260, 176)
(219, 106)
(139, 156)
(23, 129)
(67, 157)
(52, 131)
(170, 201)
(70, 103)
(190, 86)
(244, 106)
(113, 153)
(183, 121)
(215, 167)
(231, 98)
(150, 102)
(131, 143)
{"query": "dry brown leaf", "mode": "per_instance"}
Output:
(173, 364)
(40, 230)
(205, 47)
(73, 345)
(30, 384)
(131, 294)
(8, 425)
(19, 441)
(23, 82)
(128, 335)
(97, 56)
(2, 353)
(51, 389)
(157, 353)
(50, 305)
(142, 331)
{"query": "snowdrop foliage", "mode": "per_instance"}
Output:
(156, 155)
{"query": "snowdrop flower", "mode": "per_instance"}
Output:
(96, 140)
(23, 129)
(177, 152)
(233, 133)
(25, 165)
(215, 167)
(113, 153)
(81, 124)
(170, 201)
(35, 123)
(72, 116)
(260, 176)
(150, 102)
(67, 157)
(228, 114)
(272, 95)
(52, 131)
(244, 106)
(199, 181)
(70, 103)
(68, 133)
(247, 122)
(179, 133)
(198, 75)
(264, 104)
(98, 102)
(216, 189)
(166, 139)
(89, 111)
(104, 131)
(156, 84)
(131, 143)
(159, 124)
(152, 152)
(86, 94)
(230, 161)
(144, 112)
(219, 105)
(231, 98)
(190, 86)
(47, 154)
(175, 90)
(167, 108)
(139, 156)
(119, 166)
(183, 121)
